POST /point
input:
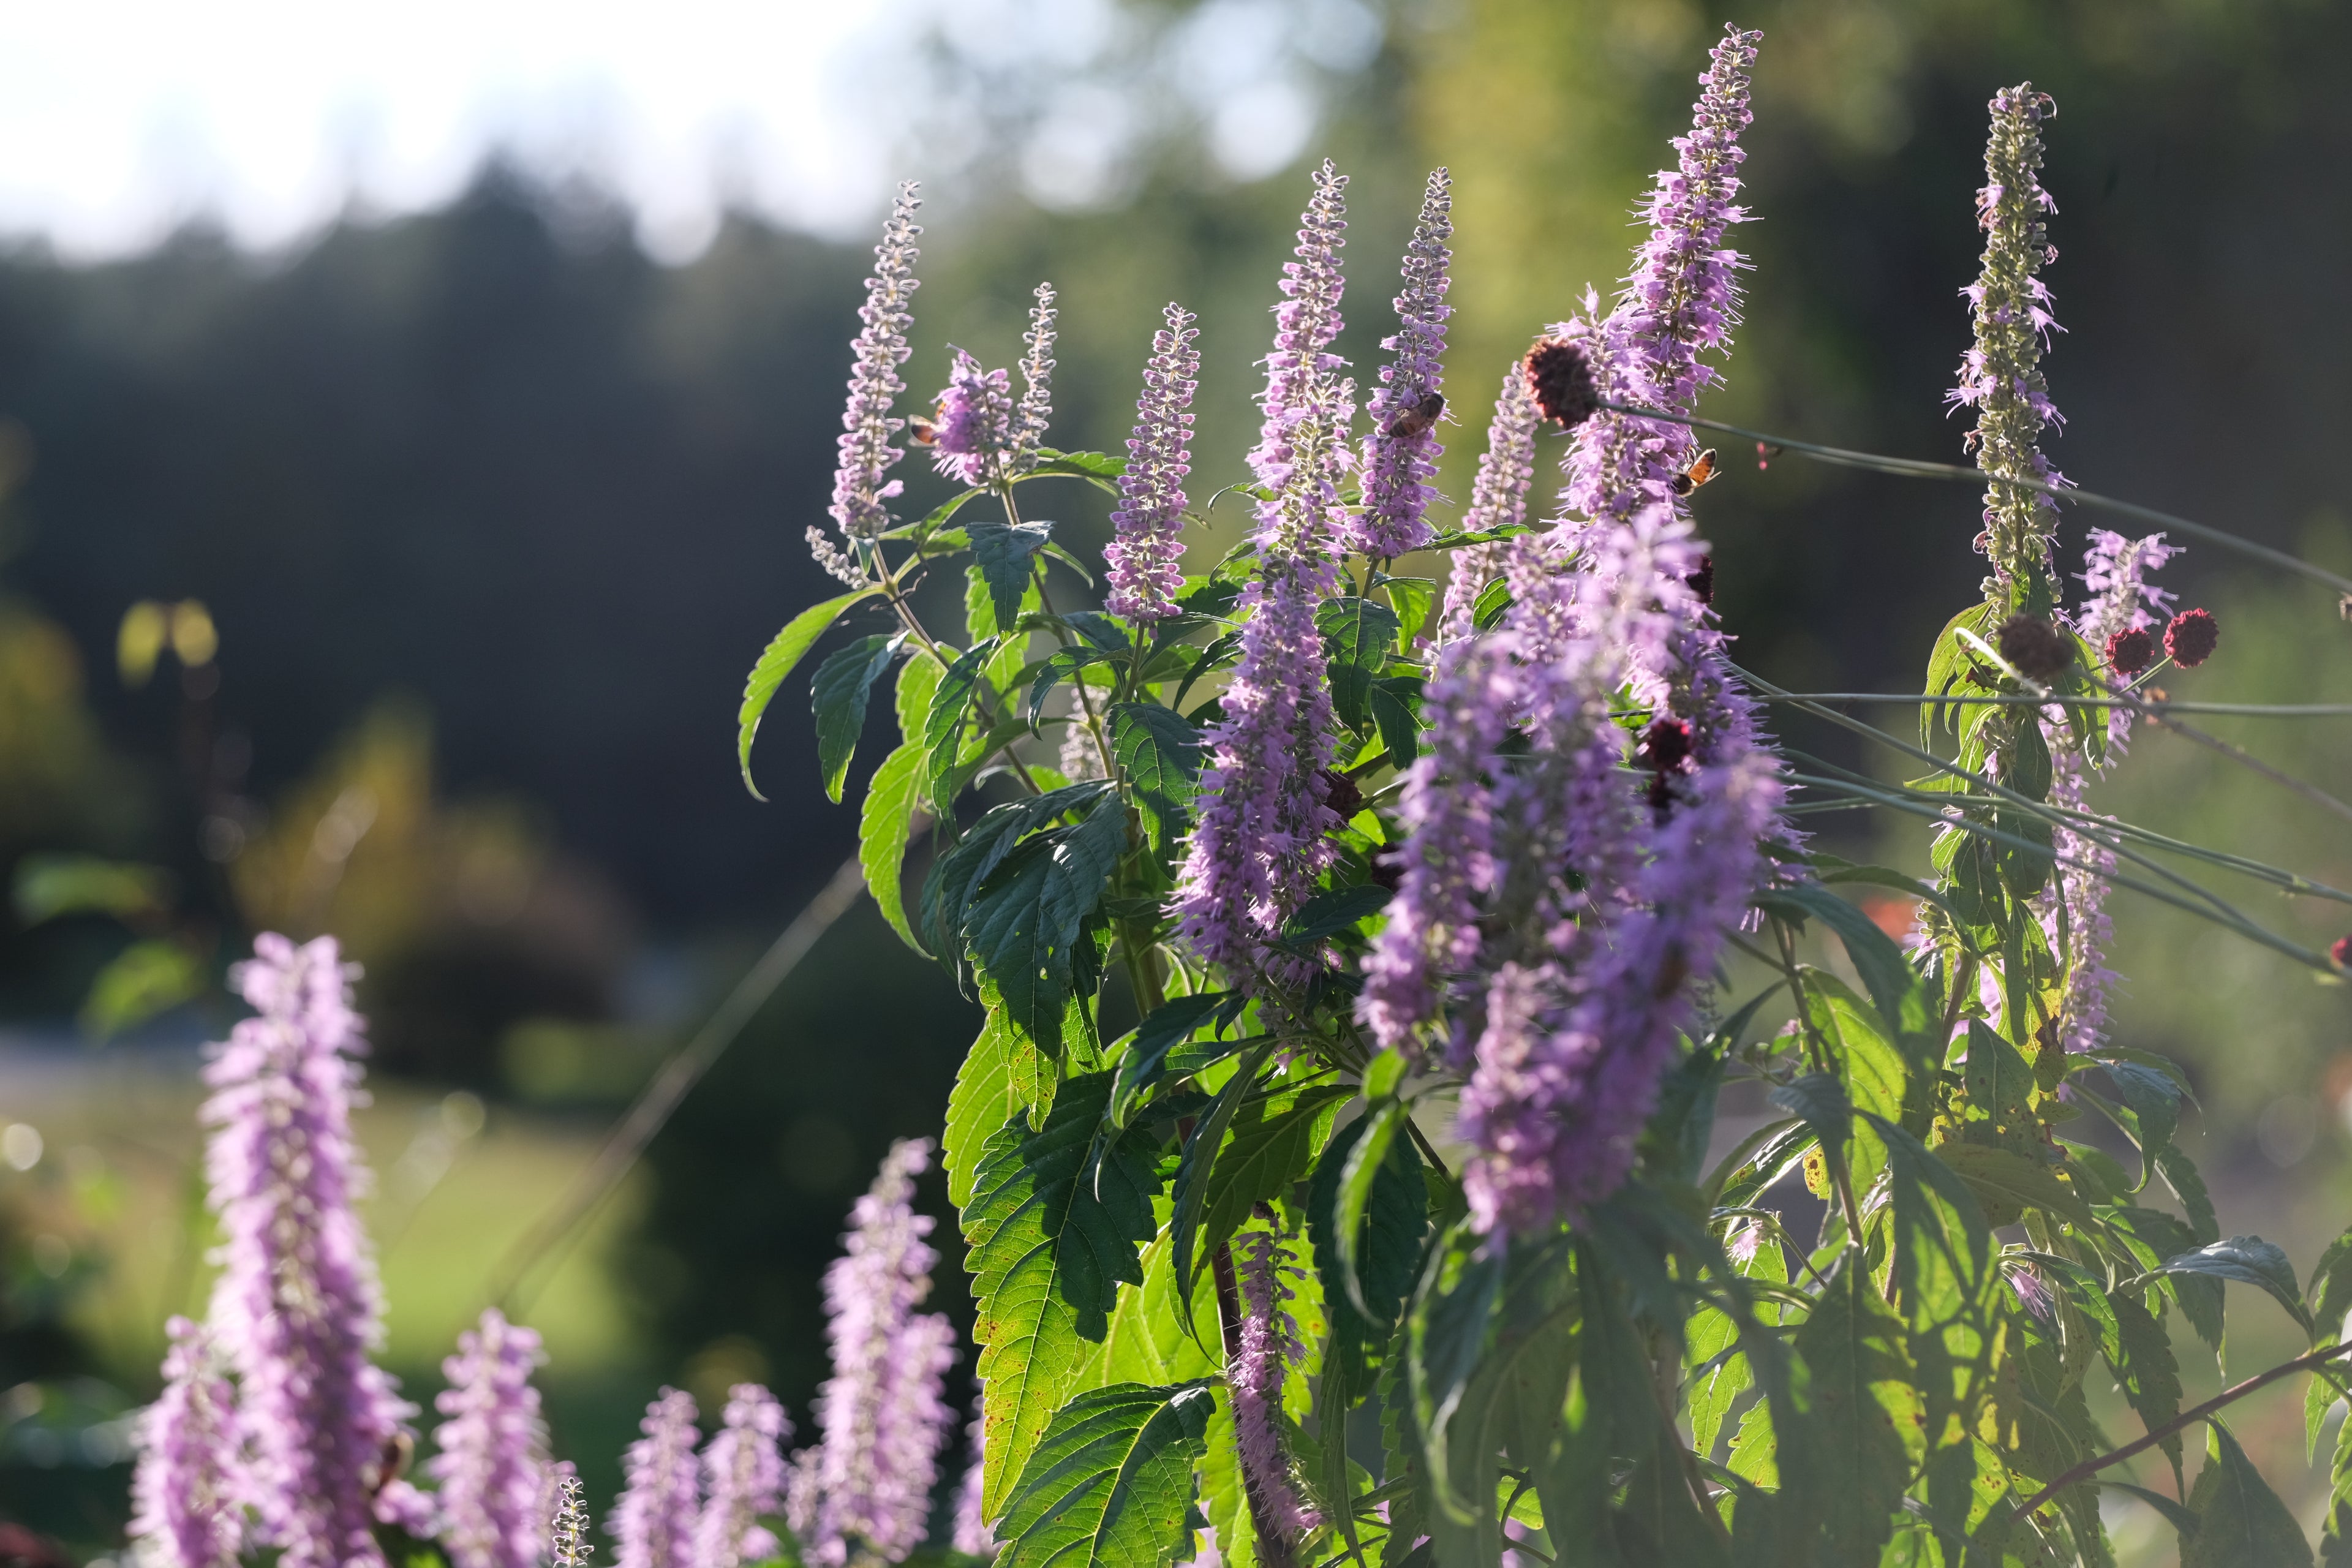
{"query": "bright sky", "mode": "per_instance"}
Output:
(120, 120)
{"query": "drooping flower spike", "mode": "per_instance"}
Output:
(743, 1478)
(2000, 374)
(492, 1462)
(861, 485)
(654, 1522)
(1402, 452)
(185, 1512)
(295, 1309)
(1147, 550)
(882, 1413)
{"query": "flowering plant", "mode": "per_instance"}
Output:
(1398, 1226)
(1393, 1229)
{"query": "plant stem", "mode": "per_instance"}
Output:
(2090, 1467)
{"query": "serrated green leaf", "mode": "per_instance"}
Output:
(1395, 702)
(2249, 1260)
(1165, 1032)
(1200, 1155)
(1271, 1145)
(1356, 1169)
(1819, 1101)
(981, 1101)
(1100, 467)
(1896, 988)
(883, 825)
(1493, 603)
(2179, 1174)
(2151, 1101)
(1413, 598)
(918, 682)
(1146, 1341)
(1027, 920)
(1110, 1482)
(1859, 1387)
(838, 694)
(956, 876)
(1327, 914)
(2005, 1182)
(1055, 1223)
(1358, 635)
(1003, 553)
(1062, 664)
(777, 661)
(2145, 1371)
(2241, 1521)
(1948, 665)
(1159, 753)
(951, 702)
(2330, 1291)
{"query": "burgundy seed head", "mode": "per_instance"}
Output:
(2039, 649)
(1341, 794)
(2129, 651)
(1665, 745)
(2341, 952)
(2191, 637)
(1559, 377)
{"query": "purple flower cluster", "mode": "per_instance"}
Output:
(882, 1413)
(1147, 550)
(743, 1471)
(1254, 1369)
(860, 484)
(1259, 841)
(2000, 374)
(973, 1537)
(1498, 499)
(1401, 454)
(661, 1502)
(972, 425)
(295, 1309)
(184, 1493)
(492, 1462)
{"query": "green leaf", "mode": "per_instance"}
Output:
(1368, 1216)
(1413, 598)
(1055, 1223)
(919, 681)
(1025, 924)
(1357, 636)
(1099, 467)
(144, 980)
(1003, 553)
(2249, 1260)
(1270, 1146)
(2145, 1369)
(1395, 703)
(1896, 988)
(1493, 603)
(883, 824)
(1159, 754)
(1819, 1101)
(956, 876)
(2241, 1521)
(1199, 1157)
(1859, 1388)
(2179, 1174)
(951, 700)
(47, 886)
(1455, 538)
(2005, 1182)
(981, 1101)
(1947, 667)
(1110, 1482)
(1062, 664)
(800, 634)
(1160, 1037)
(838, 693)
(1327, 914)
(2330, 1291)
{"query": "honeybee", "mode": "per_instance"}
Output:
(922, 432)
(1417, 419)
(1698, 474)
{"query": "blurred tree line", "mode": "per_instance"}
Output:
(495, 463)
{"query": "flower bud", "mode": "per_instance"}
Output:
(2039, 649)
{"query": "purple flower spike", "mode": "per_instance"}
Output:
(973, 1536)
(296, 1308)
(568, 1527)
(1259, 841)
(654, 1522)
(183, 1492)
(860, 484)
(1036, 410)
(1498, 499)
(744, 1472)
(973, 425)
(1255, 1368)
(883, 1412)
(1147, 550)
(492, 1462)
(2001, 375)
(1402, 452)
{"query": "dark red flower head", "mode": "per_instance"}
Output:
(1665, 745)
(2039, 649)
(2341, 952)
(2131, 651)
(1559, 378)
(1702, 581)
(2191, 637)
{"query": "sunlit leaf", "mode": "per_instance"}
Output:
(784, 651)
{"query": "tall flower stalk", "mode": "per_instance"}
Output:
(2001, 375)
(1401, 454)
(295, 1309)
(492, 1462)
(654, 1522)
(744, 1475)
(1260, 842)
(882, 1413)
(1147, 548)
(183, 1492)
(1256, 1367)
(1036, 409)
(1498, 499)
(861, 485)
